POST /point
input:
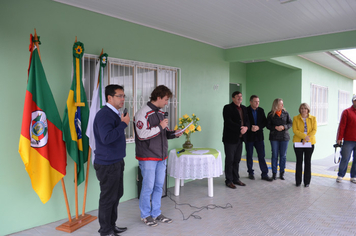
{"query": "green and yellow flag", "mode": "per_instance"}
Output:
(76, 114)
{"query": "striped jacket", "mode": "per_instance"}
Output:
(151, 140)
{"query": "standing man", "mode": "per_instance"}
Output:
(109, 132)
(151, 129)
(258, 121)
(347, 132)
(235, 127)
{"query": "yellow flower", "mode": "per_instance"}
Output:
(180, 119)
(176, 127)
(193, 114)
(191, 127)
(186, 131)
(185, 116)
(180, 122)
(199, 128)
(198, 119)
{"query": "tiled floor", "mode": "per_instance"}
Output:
(260, 208)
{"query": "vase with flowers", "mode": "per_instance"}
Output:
(194, 127)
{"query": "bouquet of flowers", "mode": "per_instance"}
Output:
(186, 120)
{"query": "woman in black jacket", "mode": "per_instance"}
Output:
(278, 122)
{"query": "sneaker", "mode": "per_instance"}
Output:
(149, 221)
(353, 180)
(163, 219)
(339, 179)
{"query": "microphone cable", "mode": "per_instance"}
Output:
(198, 209)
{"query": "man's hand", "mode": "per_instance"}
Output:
(255, 128)
(178, 135)
(164, 123)
(243, 129)
(126, 118)
(339, 142)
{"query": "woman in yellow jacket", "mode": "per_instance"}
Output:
(304, 129)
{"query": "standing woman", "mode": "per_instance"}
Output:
(304, 129)
(278, 122)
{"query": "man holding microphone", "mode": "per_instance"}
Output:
(151, 129)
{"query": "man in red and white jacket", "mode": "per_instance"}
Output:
(347, 132)
(152, 151)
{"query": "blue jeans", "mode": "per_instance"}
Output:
(281, 148)
(346, 150)
(153, 174)
(260, 149)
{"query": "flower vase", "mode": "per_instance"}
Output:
(187, 144)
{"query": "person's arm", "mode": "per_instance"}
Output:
(313, 127)
(289, 122)
(144, 132)
(263, 118)
(270, 124)
(342, 127)
(108, 133)
(229, 122)
(300, 134)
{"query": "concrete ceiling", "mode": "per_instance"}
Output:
(235, 23)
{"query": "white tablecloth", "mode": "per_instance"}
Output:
(189, 166)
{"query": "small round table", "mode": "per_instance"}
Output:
(197, 163)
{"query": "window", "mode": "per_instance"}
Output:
(344, 102)
(319, 103)
(138, 80)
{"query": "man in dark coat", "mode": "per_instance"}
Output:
(235, 127)
(258, 121)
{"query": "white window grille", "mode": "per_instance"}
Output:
(319, 103)
(344, 102)
(138, 79)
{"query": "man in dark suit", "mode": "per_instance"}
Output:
(258, 121)
(235, 127)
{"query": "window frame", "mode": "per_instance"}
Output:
(319, 103)
(134, 104)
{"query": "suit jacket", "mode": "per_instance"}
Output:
(232, 123)
(261, 123)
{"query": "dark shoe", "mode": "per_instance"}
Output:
(231, 185)
(119, 229)
(306, 185)
(274, 176)
(267, 178)
(251, 177)
(239, 183)
(281, 176)
(297, 185)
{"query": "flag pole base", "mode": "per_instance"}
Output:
(69, 227)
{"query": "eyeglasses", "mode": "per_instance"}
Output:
(120, 96)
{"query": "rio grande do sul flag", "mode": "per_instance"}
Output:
(41, 143)
(76, 115)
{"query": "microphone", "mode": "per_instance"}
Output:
(166, 115)
(183, 150)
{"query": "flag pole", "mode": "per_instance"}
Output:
(88, 164)
(37, 45)
(86, 182)
(76, 189)
(66, 200)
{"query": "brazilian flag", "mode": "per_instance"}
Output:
(76, 115)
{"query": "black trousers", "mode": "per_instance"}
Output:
(299, 153)
(111, 190)
(232, 161)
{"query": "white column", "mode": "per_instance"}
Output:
(210, 187)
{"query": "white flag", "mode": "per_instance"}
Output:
(96, 103)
